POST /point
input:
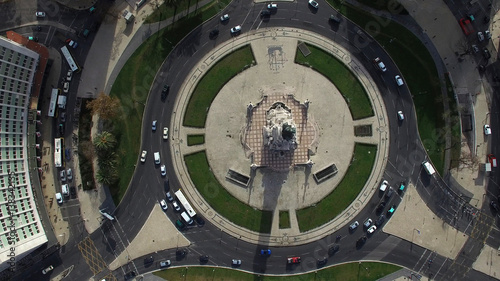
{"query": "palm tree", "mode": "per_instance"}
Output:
(104, 141)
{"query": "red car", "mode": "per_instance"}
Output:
(466, 26)
(293, 260)
(493, 160)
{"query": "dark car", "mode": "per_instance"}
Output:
(180, 253)
(149, 260)
(380, 221)
(389, 193)
(61, 129)
(361, 241)
(67, 153)
(333, 249)
(200, 221)
(72, 191)
(494, 205)
(213, 34)
(265, 13)
(180, 225)
(380, 207)
(322, 262)
(38, 28)
(265, 252)
(334, 19)
(130, 274)
(204, 258)
(164, 92)
(486, 53)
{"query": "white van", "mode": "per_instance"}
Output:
(65, 190)
(186, 218)
(157, 158)
(428, 168)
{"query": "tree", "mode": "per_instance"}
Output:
(104, 141)
(105, 106)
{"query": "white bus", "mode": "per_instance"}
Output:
(185, 203)
(58, 152)
(69, 58)
(53, 102)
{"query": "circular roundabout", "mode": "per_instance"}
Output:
(279, 140)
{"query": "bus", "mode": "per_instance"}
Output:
(58, 152)
(185, 203)
(69, 58)
(53, 102)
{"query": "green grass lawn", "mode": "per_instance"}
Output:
(419, 72)
(195, 139)
(348, 84)
(221, 200)
(284, 219)
(364, 271)
(132, 88)
(212, 82)
(346, 191)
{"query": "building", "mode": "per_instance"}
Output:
(21, 230)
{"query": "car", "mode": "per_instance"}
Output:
(494, 205)
(391, 210)
(380, 221)
(399, 80)
(165, 133)
(63, 117)
(73, 44)
(380, 207)
(480, 36)
(487, 129)
(486, 53)
(199, 220)
(334, 18)
(166, 89)
(271, 6)
(181, 253)
(224, 18)
(38, 28)
(367, 223)
(475, 49)
(204, 258)
(66, 87)
(487, 34)
(180, 225)
(265, 13)
(143, 156)
(486, 19)
(361, 241)
(380, 64)
(371, 229)
(40, 14)
(213, 33)
(169, 196)
(384, 185)
(333, 249)
(163, 205)
(92, 9)
(33, 38)
(235, 30)
(63, 175)
(176, 206)
(69, 75)
(313, 4)
(389, 193)
(321, 262)
(235, 262)
(265, 252)
(165, 263)
(61, 129)
(163, 170)
(67, 153)
(481, 68)
(149, 260)
(353, 226)
(59, 198)
(72, 191)
(69, 174)
(130, 274)
(493, 160)
(401, 116)
(402, 186)
(153, 125)
(48, 269)
(293, 260)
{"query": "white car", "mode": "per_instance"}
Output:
(63, 175)
(367, 223)
(176, 206)
(480, 36)
(66, 87)
(163, 170)
(69, 174)
(384, 185)
(59, 198)
(40, 14)
(313, 4)
(272, 6)
(165, 263)
(73, 44)
(487, 33)
(401, 116)
(353, 225)
(372, 229)
(380, 64)
(224, 18)
(235, 30)
(143, 156)
(163, 205)
(48, 269)
(399, 80)
(69, 75)
(487, 129)
(236, 262)
(165, 133)
(153, 125)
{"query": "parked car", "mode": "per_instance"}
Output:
(322, 262)
(204, 258)
(361, 241)
(169, 196)
(163, 205)
(389, 193)
(72, 191)
(181, 253)
(367, 223)
(333, 249)
(480, 36)
(493, 160)
(372, 229)
(235, 262)
(165, 133)
(293, 260)
(59, 198)
(48, 269)
(236, 30)
(313, 4)
(487, 129)
(165, 263)
(380, 221)
(486, 53)
(224, 18)
(143, 156)
(40, 14)
(353, 226)
(380, 207)
(69, 75)
(176, 206)
(63, 117)
(487, 34)
(69, 174)
(73, 44)
(475, 49)
(66, 87)
(402, 186)
(272, 6)
(149, 260)
(384, 185)
(391, 210)
(63, 175)
(265, 13)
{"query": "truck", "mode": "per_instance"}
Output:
(61, 102)
(466, 26)
(128, 16)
